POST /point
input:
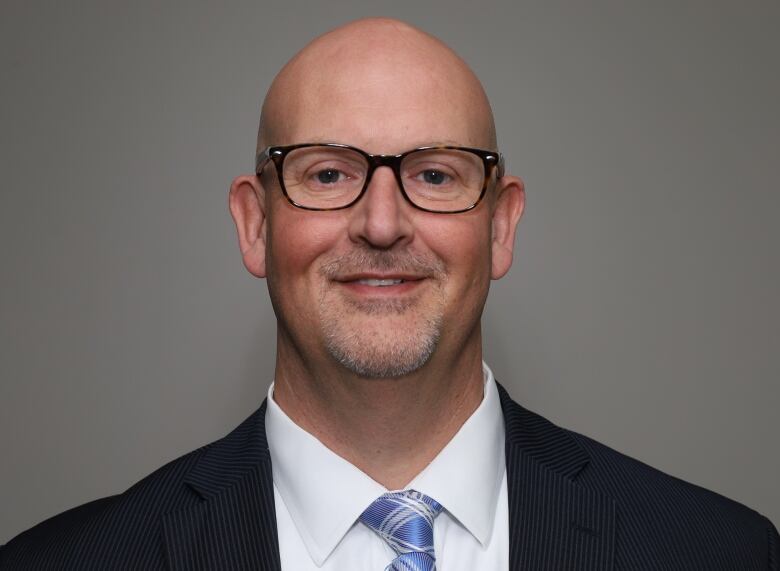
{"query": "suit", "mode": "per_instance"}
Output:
(573, 504)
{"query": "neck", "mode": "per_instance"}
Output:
(391, 429)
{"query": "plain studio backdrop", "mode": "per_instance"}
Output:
(642, 308)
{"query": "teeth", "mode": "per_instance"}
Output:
(379, 283)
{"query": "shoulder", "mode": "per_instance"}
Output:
(671, 515)
(126, 531)
(658, 517)
(120, 531)
(633, 483)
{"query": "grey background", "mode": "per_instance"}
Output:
(642, 308)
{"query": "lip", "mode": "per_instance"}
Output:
(353, 283)
(378, 276)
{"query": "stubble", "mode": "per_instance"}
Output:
(363, 335)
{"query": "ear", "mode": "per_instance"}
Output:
(248, 208)
(506, 214)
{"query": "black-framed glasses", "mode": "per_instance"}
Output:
(332, 176)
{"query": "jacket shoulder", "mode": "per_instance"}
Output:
(671, 515)
(125, 531)
(662, 521)
(118, 532)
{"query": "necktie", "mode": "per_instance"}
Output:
(405, 521)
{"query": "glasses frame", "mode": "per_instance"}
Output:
(491, 160)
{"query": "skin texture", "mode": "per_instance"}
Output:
(384, 377)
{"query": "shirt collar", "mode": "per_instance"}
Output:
(465, 477)
(325, 494)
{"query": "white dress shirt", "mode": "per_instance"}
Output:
(319, 497)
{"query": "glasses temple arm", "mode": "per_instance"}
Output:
(262, 157)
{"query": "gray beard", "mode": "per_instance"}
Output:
(380, 360)
(369, 354)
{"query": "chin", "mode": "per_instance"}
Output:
(385, 350)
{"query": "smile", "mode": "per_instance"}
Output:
(372, 285)
(380, 282)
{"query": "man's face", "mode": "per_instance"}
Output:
(381, 286)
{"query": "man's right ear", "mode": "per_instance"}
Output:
(248, 208)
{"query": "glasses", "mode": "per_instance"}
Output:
(331, 176)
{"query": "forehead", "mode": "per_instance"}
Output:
(384, 101)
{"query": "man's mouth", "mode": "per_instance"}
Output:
(367, 272)
(372, 284)
(379, 282)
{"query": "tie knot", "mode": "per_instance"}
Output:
(405, 521)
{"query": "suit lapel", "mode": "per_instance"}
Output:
(554, 523)
(234, 524)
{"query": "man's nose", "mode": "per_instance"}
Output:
(381, 217)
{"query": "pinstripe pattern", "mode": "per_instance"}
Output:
(210, 509)
(573, 504)
(577, 504)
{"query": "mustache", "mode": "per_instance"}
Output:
(362, 260)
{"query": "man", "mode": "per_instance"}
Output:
(379, 213)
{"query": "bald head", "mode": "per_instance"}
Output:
(379, 84)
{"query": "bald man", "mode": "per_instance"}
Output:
(378, 214)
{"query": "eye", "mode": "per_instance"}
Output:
(434, 177)
(329, 176)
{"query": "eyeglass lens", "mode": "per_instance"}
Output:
(443, 180)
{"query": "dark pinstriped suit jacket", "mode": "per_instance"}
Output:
(573, 504)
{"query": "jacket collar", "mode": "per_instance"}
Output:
(233, 526)
(554, 523)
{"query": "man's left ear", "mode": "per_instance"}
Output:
(506, 214)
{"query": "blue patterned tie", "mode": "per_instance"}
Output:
(405, 521)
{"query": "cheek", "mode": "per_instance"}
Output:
(295, 243)
(296, 239)
(463, 243)
(464, 246)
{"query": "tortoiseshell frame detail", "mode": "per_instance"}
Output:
(490, 159)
